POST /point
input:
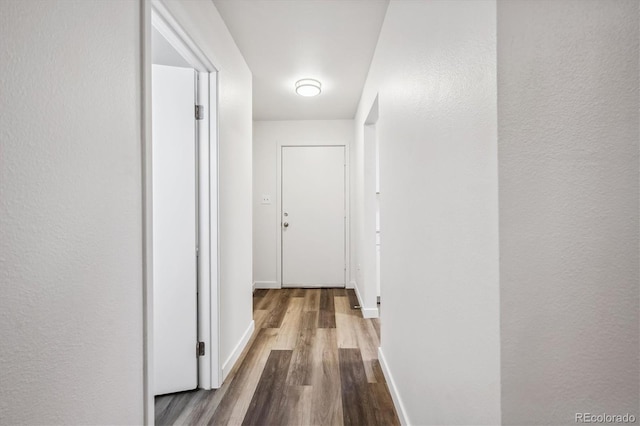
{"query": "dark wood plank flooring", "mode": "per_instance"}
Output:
(312, 361)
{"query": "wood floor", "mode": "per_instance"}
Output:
(311, 361)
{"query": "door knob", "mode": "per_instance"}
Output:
(286, 224)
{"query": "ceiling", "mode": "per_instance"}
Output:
(162, 53)
(283, 41)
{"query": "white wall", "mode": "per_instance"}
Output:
(71, 206)
(435, 71)
(70, 213)
(568, 156)
(266, 135)
(203, 23)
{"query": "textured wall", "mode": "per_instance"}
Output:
(266, 135)
(203, 23)
(568, 167)
(70, 213)
(435, 72)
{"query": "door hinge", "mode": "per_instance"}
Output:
(200, 349)
(199, 112)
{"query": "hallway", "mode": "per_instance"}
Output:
(495, 144)
(312, 361)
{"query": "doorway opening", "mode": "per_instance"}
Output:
(180, 181)
(371, 222)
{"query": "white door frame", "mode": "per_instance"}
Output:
(347, 198)
(156, 15)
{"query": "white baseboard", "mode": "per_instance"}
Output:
(402, 414)
(370, 312)
(265, 284)
(351, 284)
(355, 287)
(366, 312)
(237, 351)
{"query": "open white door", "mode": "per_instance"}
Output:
(174, 230)
(313, 216)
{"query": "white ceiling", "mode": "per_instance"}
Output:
(286, 40)
(162, 53)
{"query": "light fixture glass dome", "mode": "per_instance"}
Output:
(308, 87)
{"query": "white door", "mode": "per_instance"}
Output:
(313, 216)
(174, 230)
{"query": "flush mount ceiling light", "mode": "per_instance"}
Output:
(308, 87)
